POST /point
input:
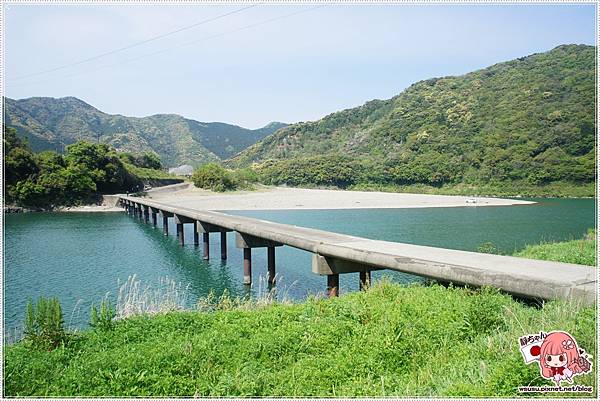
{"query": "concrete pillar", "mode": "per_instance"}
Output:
(364, 279)
(223, 245)
(206, 246)
(247, 266)
(271, 264)
(139, 209)
(180, 234)
(333, 285)
(247, 242)
(146, 210)
(153, 217)
(180, 221)
(165, 224)
(206, 229)
(196, 234)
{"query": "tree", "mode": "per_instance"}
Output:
(214, 177)
(102, 163)
(149, 160)
(19, 161)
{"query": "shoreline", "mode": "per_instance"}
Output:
(283, 198)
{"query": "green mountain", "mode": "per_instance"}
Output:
(51, 124)
(531, 119)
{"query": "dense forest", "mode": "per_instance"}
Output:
(529, 121)
(51, 124)
(48, 179)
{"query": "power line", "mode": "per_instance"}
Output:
(218, 35)
(98, 56)
(193, 42)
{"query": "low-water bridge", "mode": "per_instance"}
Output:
(335, 254)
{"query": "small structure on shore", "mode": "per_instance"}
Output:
(184, 170)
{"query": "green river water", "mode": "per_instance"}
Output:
(80, 257)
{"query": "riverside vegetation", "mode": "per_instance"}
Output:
(48, 179)
(522, 127)
(579, 251)
(425, 340)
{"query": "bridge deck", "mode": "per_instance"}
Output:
(523, 277)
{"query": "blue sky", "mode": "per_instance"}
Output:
(292, 69)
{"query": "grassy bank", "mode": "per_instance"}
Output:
(508, 189)
(391, 340)
(580, 251)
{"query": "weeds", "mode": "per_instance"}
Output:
(44, 324)
(103, 318)
(390, 340)
(133, 299)
(579, 251)
(266, 295)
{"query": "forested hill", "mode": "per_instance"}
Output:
(51, 124)
(529, 119)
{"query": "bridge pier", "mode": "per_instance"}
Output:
(154, 213)
(271, 265)
(333, 267)
(165, 219)
(205, 229)
(247, 242)
(223, 245)
(333, 285)
(196, 235)
(247, 266)
(206, 249)
(364, 281)
(180, 221)
(179, 231)
(146, 211)
(139, 211)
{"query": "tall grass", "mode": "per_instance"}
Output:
(579, 251)
(135, 299)
(391, 340)
(264, 296)
(388, 341)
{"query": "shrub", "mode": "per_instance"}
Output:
(488, 247)
(44, 324)
(214, 177)
(103, 318)
(329, 170)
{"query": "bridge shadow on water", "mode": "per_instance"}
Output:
(295, 278)
(202, 276)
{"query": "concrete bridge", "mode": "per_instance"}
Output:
(335, 254)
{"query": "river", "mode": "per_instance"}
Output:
(81, 257)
